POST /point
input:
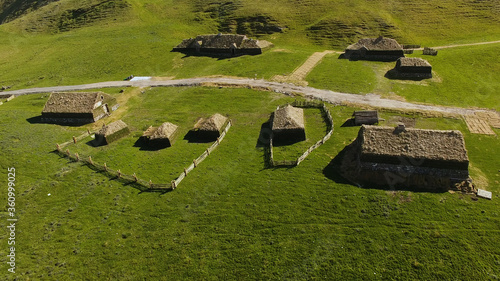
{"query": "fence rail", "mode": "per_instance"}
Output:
(203, 156)
(142, 185)
(329, 121)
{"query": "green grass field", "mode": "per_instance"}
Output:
(463, 77)
(231, 218)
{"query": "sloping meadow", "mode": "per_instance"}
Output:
(231, 217)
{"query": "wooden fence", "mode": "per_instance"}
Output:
(133, 179)
(175, 183)
(329, 121)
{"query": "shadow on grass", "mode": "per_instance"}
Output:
(393, 74)
(218, 56)
(333, 170)
(143, 145)
(39, 120)
(195, 137)
(349, 123)
(95, 143)
(265, 135)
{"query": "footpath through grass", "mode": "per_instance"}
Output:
(231, 218)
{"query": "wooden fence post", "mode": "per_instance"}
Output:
(58, 147)
(185, 172)
(150, 183)
(67, 152)
(119, 173)
(90, 160)
(74, 139)
(208, 151)
(77, 157)
(173, 185)
(105, 167)
(194, 163)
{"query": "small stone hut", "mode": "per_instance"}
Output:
(365, 117)
(378, 49)
(288, 125)
(412, 68)
(111, 132)
(407, 158)
(78, 107)
(222, 45)
(163, 136)
(210, 128)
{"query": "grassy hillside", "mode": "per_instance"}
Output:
(463, 76)
(231, 218)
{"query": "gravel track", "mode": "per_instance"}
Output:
(285, 88)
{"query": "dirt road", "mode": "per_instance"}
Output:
(285, 88)
(461, 45)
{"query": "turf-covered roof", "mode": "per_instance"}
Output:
(69, 102)
(219, 41)
(403, 61)
(215, 123)
(413, 143)
(165, 131)
(376, 44)
(288, 117)
(112, 128)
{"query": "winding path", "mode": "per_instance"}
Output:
(285, 88)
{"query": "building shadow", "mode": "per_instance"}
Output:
(333, 170)
(39, 120)
(349, 123)
(144, 145)
(218, 56)
(95, 143)
(193, 136)
(393, 74)
(265, 134)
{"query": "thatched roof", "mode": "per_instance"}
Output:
(215, 123)
(69, 102)
(403, 61)
(288, 117)
(376, 44)
(365, 113)
(150, 131)
(219, 41)
(112, 128)
(413, 143)
(165, 131)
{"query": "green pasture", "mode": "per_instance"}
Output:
(463, 77)
(231, 218)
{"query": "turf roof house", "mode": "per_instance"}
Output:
(288, 125)
(379, 49)
(365, 117)
(111, 132)
(221, 44)
(78, 108)
(412, 68)
(163, 136)
(419, 159)
(210, 128)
